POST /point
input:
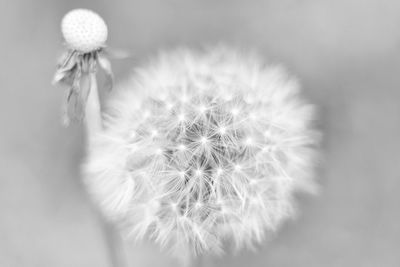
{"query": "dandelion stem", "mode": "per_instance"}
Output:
(93, 120)
(93, 123)
(115, 245)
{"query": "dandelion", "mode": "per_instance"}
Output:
(221, 144)
(85, 34)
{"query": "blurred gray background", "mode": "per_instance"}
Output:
(346, 54)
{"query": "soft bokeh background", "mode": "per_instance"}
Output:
(346, 53)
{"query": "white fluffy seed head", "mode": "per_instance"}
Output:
(84, 30)
(225, 175)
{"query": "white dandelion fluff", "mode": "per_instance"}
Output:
(203, 149)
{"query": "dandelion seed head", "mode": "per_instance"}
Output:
(146, 114)
(219, 171)
(237, 167)
(175, 207)
(248, 141)
(132, 135)
(202, 109)
(84, 30)
(181, 117)
(235, 111)
(153, 133)
(222, 130)
(169, 105)
(253, 116)
(181, 147)
(184, 99)
(226, 129)
(158, 151)
(198, 172)
(203, 140)
(253, 181)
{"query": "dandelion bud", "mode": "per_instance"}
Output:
(85, 34)
(84, 30)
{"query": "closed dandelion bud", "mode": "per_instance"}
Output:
(202, 150)
(84, 30)
(85, 34)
